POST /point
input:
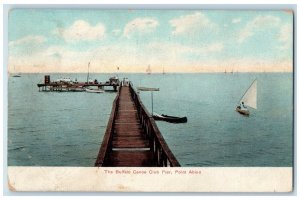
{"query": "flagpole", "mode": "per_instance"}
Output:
(87, 78)
(149, 89)
(152, 101)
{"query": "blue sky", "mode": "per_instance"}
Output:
(58, 40)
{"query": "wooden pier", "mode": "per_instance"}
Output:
(132, 138)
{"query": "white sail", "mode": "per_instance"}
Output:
(148, 70)
(250, 96)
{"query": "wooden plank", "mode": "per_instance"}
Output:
(127, 123)
(129, 131)
(130, 142)
(128, 110)
(123, 125)
(130, 120)
(125, 115)
(125, 133)
(130, 159)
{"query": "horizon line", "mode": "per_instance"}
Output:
(242, 72)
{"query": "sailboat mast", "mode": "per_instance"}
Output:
(87, 78)
(148, 70)
(247, 90)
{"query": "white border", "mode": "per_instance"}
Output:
(149, 179)
(110, 4)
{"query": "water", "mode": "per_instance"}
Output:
(66, 129)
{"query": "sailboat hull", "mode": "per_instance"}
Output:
(243, 112)
(17, 75)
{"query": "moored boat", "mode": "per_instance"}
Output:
(171, 119)
(94, 90)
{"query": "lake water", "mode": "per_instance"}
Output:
(66, 128)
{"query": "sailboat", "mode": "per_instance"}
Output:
(148, 70)
(248, 99)
(16, 75)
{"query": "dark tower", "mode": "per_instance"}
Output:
(47, 79)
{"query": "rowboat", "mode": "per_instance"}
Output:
(170, 119)
(94, 90)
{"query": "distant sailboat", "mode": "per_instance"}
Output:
(148, 70)
(248, 99)
(164, 71)
(16, 75)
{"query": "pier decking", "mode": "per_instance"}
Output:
(132, 138)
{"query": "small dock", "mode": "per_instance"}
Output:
(132, 138)
(74, 86)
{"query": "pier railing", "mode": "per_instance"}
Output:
(107, 140)
(163, 156)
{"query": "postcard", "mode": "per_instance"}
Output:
(148, 100)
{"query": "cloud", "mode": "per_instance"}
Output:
(140, 25)
(51, 59)
(169, 55)
(30, 39)
(252, 64)
(60, 59)
(258, 23)
(285, 36)
(27, 45)
(214, 47)
(189, 24)
(105, 58)
(172, 53)
(285, 33)
(81, 30)
(236, 20)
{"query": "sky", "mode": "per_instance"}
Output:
(191, 41)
